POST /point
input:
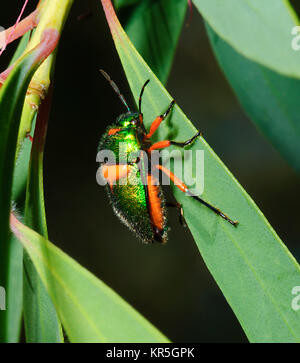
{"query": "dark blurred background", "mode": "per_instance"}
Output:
(170, 285)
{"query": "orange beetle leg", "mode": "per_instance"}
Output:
(179, 184)
(155, 124)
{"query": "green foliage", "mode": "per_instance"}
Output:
(254, 49)
(123, 3)
(251, 265)
(270, 99)
(89, 310)
(12, 97)
(40, 317)
(10, 323)
(154, 28)
(109, 317)
(259, 30)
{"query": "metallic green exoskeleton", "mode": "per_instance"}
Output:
(131, 201)
(132, 185)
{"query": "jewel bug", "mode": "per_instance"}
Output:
(140, 203)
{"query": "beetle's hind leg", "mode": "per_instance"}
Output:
(188, 142)
(179, 184)
(179, 208)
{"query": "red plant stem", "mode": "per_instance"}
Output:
(5, 74)
(13, 225)
(111, 16)
(19, 29)
(10, 35)
(47, 44)
(190, 12)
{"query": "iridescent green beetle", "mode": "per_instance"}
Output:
(140, 203)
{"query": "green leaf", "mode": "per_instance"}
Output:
(270, 99)
(10, 324)
(89, 310)
(21, 47)
(123, 3)
(14, 288)
(260, 30)
(12, 95)
(154, 28)
(252, 267)
(40, 318)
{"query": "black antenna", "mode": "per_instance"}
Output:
(141, 94)
(116, 89)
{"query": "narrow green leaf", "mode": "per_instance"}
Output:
(51, 21)
(260, 30)
(12, 95)
(40, 318)
(51, 15)
(154, 28)
(271, 100)
(14, 291)
(89, 310)
(21, 47)
(252, 267)
(10, 324)
(14, 288)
